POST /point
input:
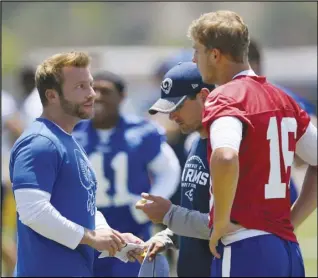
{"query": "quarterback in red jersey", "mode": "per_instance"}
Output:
(254, 130)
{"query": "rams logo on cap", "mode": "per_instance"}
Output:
(166, 85)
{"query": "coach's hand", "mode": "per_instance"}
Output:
(130, 238)
(154, 246)
(156, 209)
(134, 254)
(137, 254)
(104, 239)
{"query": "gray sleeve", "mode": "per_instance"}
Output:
(189, 223)
(165, 237)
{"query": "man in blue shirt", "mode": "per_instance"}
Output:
(53, 181)
(130, 156)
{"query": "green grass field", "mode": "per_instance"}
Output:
(307, 236)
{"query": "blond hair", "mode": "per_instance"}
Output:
(224, 30)
(49, 74)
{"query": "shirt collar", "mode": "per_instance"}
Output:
(248, 72)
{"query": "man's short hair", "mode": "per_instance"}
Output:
(254, 54)
(223, 30)
(49, 74)
(117, 80)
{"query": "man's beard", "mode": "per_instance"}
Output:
(73, 109)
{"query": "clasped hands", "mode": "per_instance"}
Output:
(118, 241)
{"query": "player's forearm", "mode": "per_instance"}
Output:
(307, 200)
(57, 228)
(224, 169)
(36, 212)
(189, 223)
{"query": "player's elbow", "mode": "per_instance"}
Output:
(25, 217)
(30, 212)
(225, 156)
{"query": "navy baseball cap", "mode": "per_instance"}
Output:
(179, 82)
(159, 267)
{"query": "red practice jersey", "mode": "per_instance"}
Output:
(273, 123)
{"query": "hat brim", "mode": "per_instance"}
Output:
(159, 267)
(166, 105)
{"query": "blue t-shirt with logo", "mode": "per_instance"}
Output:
(120, 158)
(195, 257)
(49, 159)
